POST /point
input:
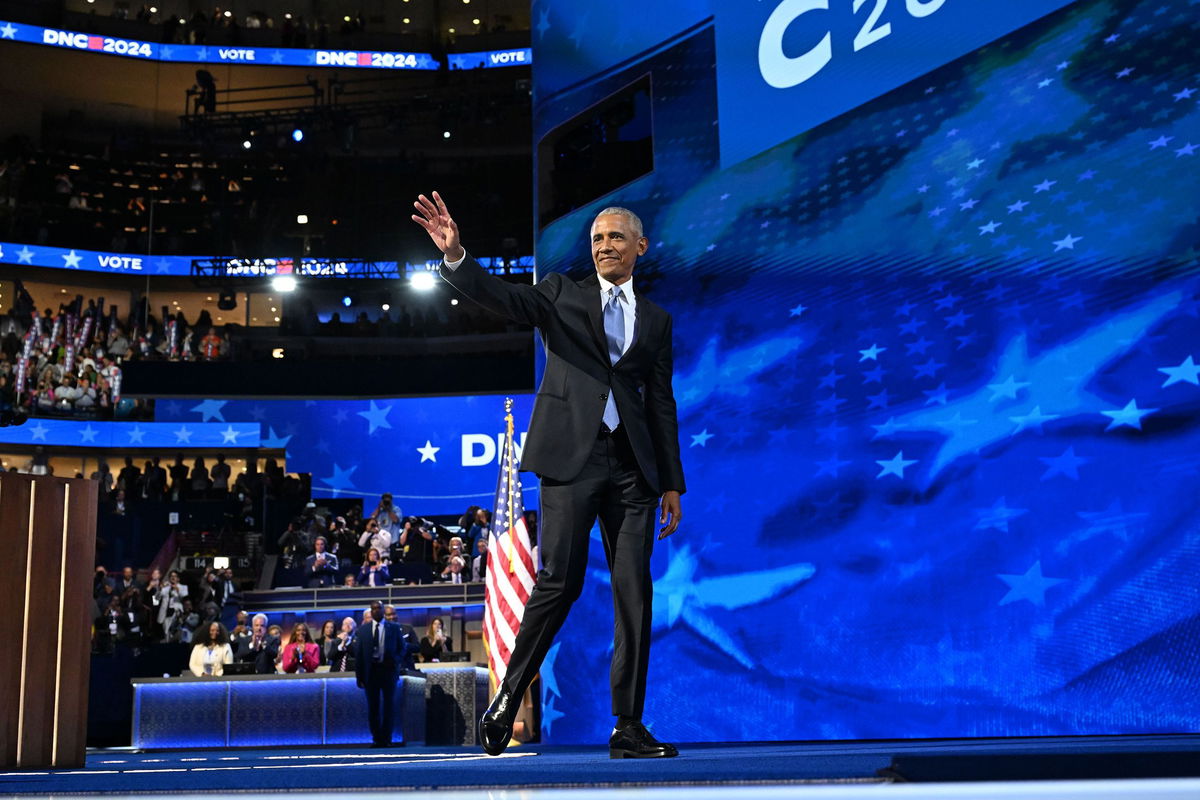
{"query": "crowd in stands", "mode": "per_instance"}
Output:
(178, 608)
(385, 546)
(68, 363)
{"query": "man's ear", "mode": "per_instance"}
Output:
(643, 246)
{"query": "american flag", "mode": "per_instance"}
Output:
(510, 570)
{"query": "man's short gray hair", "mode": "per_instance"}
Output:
(634, 220)
(257, 617)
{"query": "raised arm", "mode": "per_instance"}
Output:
(528, 305)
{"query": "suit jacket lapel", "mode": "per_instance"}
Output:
(591, 301)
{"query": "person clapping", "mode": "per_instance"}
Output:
(374, 572)
(301, 653)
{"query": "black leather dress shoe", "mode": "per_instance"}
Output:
(634, 741)
(496, 724)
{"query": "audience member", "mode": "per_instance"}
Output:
(211, 652)
(376, 538)
(170, 606)
(328, 631)
(321, 567)
(260, 647)
(301, 653)
(374, 572)
(338, 649)
(479, 562)
(434, 643)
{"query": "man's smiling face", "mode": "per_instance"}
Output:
(615, 247)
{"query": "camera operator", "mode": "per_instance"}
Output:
(377, 538)
(387, 515)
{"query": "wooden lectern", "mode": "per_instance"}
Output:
(48, 538)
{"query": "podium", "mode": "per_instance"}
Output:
(48, 537)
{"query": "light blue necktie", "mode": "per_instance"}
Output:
(614, 331)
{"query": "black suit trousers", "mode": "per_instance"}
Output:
(381, 693)
(610, 488)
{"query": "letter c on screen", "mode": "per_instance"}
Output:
(780, 70)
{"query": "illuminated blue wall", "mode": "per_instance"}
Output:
(935, 363)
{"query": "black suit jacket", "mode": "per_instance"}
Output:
(569, 406)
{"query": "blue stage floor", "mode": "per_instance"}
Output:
(845, 770)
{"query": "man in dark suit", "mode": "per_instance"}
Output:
(321, 567)
(604, 440)
(379, 648)
(259, 647)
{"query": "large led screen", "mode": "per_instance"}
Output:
(933, 271)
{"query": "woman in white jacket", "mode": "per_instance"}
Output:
(211, 653)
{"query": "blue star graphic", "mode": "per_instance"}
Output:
(88, 434)
(24, 255)
(1031, 586)
(1060, 395)
(1034, 419)
(894, 466)
(831, 467)
(273, 442)
(1186, 372)
(8, 31)
(1130, 415)
(871, 353)
(183, 435)
(998, 516)
(210, 410)
(543, 23)
(701, 439)
(886, 430)
(376, 417)
(340, 481)
(136, 435)
(1067, 465)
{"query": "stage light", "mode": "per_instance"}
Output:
(445, 134)
(221, 562)
(283, 283)
(346, 18)
(347, 301)
(422, 281)
(453, 301)
(302, 219)
(387, 307)
(407, 20)
(228, 14)
(288, 15)
(277, 352)
(247, 144)
(153, 9)
(297, 135)
(452, 30)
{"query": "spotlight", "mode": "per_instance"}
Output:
(387, 306)
(422, 281)
(453, 301)
(302, 219)
(297, 135)
(247, 144)
(283, 283)
(445, 134)
(346, 301)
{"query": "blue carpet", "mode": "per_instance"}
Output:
(124, 772)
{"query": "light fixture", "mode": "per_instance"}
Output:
(453, 301)
(445, 134)
(422, 281)
(287, 15)
(347, 301)
(387, 306)
(153, 9)
(302, 219)
(220, 562)
(297, 135)
(452, 30)
(346, 18)
(475, 21)
(247, 144)
(283, 283)
(228, 14)
(277, 352)
(407, 20)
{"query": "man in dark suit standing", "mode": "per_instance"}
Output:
(604, 440)
(322, 566)
(259, 647)
(379, 648)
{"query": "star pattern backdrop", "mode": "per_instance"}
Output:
(936, 367)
